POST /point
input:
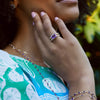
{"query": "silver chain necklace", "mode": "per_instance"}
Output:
(24, 54)
(27, 58)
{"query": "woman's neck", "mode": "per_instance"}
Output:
(25, 41)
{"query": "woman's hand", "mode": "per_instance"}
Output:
(64, 54)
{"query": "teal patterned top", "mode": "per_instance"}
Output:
(20, 80)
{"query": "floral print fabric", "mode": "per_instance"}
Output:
(19, 80)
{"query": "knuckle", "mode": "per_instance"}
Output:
(53, 49)
(62, 27)
(47, 26)
(46, 22)
(39, 29)
(45, 19)
(59, 21)
(73, 42)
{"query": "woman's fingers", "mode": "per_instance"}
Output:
(62, 27)
(49, 30)
(40, 30)
(37, 22)
(44, 27)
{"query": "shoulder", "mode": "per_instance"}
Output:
(3, 53)
(5, 57)
(6, 62)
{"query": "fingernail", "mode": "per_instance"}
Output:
(56, 18)
(42, 13)
(33, 14)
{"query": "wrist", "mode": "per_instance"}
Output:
(85, 83)
(82, 82)
(82, 79)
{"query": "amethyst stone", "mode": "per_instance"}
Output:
(53, 36)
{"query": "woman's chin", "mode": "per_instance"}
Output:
(71, 18)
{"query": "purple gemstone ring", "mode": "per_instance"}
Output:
(54, 36)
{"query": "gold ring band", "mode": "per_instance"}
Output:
(54, 36)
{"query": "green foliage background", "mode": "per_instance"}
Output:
(89, 36)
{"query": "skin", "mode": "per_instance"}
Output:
(52, 7)
(23, 13)
(80, 72)
(64, 54)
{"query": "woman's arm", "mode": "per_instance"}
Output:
(64, 55)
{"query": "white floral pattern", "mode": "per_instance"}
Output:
(19, 80)
(2, 83)
(48, 96)
(6, 60)
(32, 94)
(16, 77)
(57, 87)
(12, 94)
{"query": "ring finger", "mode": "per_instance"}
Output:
(49, 30)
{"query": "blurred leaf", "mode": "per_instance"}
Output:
(89, 32)
(88, 54)
(78, 29)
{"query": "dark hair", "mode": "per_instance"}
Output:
(9, 23)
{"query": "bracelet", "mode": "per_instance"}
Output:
(83, 93)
